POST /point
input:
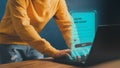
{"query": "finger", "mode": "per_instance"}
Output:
(70, 57)
(67, 50)
(78, 58)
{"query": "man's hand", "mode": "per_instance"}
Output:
(62, 53)
(65, 56)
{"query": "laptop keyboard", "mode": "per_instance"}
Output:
(78, 55)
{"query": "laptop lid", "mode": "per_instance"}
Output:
(106, 45)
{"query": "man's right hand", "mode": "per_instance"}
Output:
(62, 53)
(65, 56)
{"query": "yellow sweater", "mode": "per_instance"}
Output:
(24, 19)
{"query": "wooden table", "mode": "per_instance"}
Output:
(50, 64)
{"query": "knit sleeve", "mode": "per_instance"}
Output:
(64, 21)
(25, 30)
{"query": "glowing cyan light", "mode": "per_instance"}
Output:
(83, 32)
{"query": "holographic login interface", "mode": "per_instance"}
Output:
(83, 32)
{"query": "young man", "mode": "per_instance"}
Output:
(21, 24)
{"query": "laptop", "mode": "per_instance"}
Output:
(106, 47)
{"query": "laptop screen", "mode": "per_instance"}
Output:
(83, 32)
